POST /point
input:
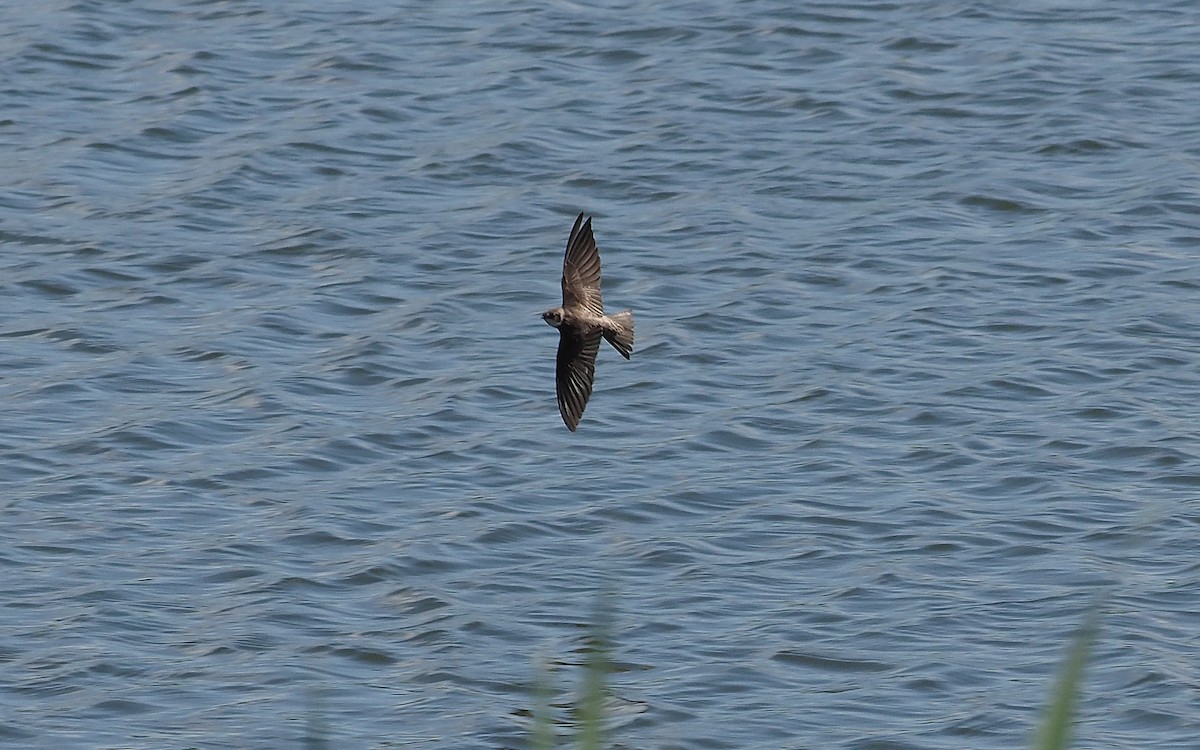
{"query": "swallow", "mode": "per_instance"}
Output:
(581, 323)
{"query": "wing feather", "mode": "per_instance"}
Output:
(574, 373)
(581, 269)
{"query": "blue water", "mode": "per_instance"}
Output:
(915, 384)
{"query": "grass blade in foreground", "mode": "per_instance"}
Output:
(543, 718)
(589, 705)
(1055, 732)
(595, 680)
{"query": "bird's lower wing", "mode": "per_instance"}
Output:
(574, 374)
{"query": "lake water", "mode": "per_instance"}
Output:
(915, 386)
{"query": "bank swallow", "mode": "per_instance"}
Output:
(581, 323)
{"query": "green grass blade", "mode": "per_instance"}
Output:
(543, 716)
(595, 678)
(1055, 731)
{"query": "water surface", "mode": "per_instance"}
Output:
(915, 380)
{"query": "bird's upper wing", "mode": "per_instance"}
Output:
(581, 269)
(574, 373)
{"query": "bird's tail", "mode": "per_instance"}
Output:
(619, 332)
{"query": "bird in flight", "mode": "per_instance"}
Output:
(581, 323)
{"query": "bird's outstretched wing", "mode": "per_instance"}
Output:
(581, 269)
(574, 373)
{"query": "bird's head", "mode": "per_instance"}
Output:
(553, 317)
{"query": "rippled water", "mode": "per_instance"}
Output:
(915, 384)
